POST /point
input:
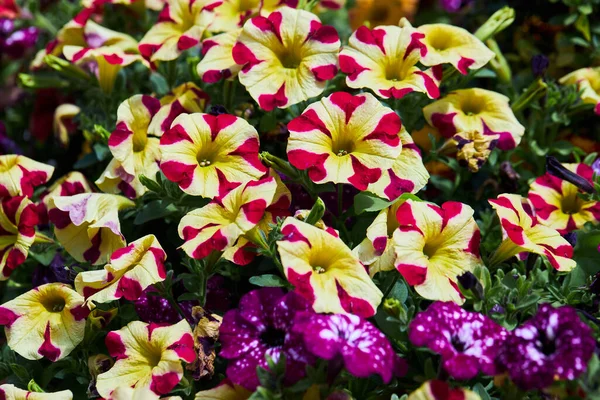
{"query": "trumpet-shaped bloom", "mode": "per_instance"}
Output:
(208, 155)
(384, 60)
(447, 44)
(522, 232)
(148, 356)
(588, 83)
(557, 204)
(11, 392)
(407, 175)
(71, 184)
(87, 225)
(440, 390)
(134, 152)
(217, 62)
(18, 218)
(325, 272)
(63, 125)
(434, 245)
(180, 27)
(48, 321)
(286, 58)
(218, 225)
(476, 110)
(376, 251)
(107, 61)
(345, 139)
(231, 14)
(186, 98)
(19, 175)
(131, 270)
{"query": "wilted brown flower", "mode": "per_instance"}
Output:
(206, 334)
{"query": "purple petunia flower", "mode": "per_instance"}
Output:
(56, 271)
(554, 343)
(596, 166)
(158, 310)
(261, 326)
(468, 342)
(363, 349)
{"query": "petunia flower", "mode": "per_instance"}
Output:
(468, 342)
(217, 62)
(87, 225)
(11, 392)
(148, 356)
(325, 272)
(9, 9)
(71, 184)
(379, 12)
(181, 25)
(384, 60)
(376, 251)
(440, 390)
(230, 15)
(522, 232)
(62, 125)
(224, 390)
(407, 175)
(19, 175)
(588, 85)
(345, 139)
(105, 61)
(553, 345)
(557, 203)
(261, 326)
(473, 148)
(153, 308)
(131, 270)
(218, 225)
(48, 321)
(434, 245)
(362, 347)
(476, 110)
(18, 218)
(287, 57)
(134, 152)
(209, 155)
(186, 98)
(448, 44)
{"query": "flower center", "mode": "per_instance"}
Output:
(247, 5)
(53, 303)
(153, 355)
(342, 146)
(429, 249)
(273, 337)
(10, 162)
(458, 344)
(546, 345)
(397, 70)
(440, 42)
(290, 59)
(139, 141)
(473, 107)
(318, 269)
(571, 204)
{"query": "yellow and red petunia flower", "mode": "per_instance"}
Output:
(325, 272)
(448, 44)
(11, 392)
(287, 57)
(87, 225)
(476, 110)
(588, 84)
(71, 184)
(557, 204)
(379, 12)
(218, 225)
(407, 175)
(140, 393)
(345, 139)
(108, 61)
(181, 25)
(148, 356)
(522, 233)
(19, 175)
(434, 245)
(134, 152)
(18, 218)
(130, 271)
(376, 251)
(440, 390)
(217, 62)
(226, 390)
(186, 98)
(62, 125)
(209, 155)
(48, 321)
(230, 15)
(384, 59)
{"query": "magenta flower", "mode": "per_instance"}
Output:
(157, 309)
(363, 349)
(552, 344)
(261, 326)
(468, 342)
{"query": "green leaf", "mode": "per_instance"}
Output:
(268, 280)
(586, 251)
(187, 297)
(154, 210)
(86, 161)
(583, 25)
(399, 292)
(480, 390)
(102, 151)
(590, 158)
(21, 372)
(268, 122)
(159, 84)
(150, 184)
(367, 202)
(316, 212)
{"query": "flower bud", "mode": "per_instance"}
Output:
(499, 21)
(555, 168)
(539, 64)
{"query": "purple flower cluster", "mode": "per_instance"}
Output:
(467, 342)
(552, 344)
(271, 322)
(158, 310)
(13, 42)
